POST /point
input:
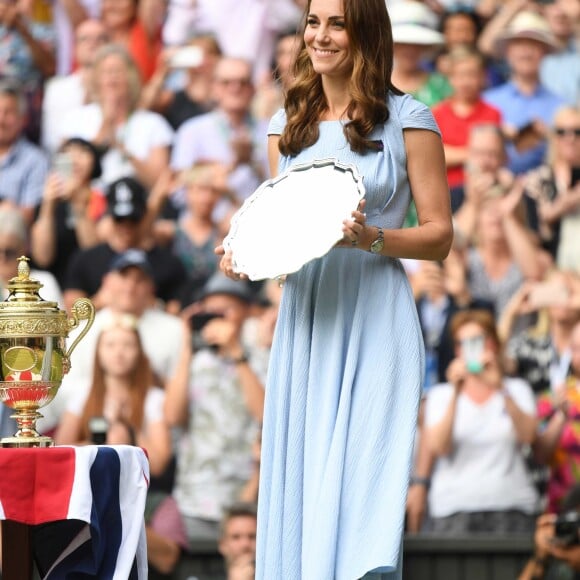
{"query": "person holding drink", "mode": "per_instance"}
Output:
(347, 361)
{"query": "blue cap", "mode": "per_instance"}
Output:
(220, 284)
(132, 258)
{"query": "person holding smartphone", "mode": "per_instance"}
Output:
(66, 219)
(476, 424)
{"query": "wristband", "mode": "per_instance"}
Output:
(240, 360)
(416, 480)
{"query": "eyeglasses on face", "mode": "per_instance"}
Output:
(101, 38)
(567, 131)
(243, 82)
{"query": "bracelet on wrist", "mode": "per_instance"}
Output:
(240, 360)
(540, 560)
(424, 481)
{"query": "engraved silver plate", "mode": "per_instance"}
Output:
(293, 218)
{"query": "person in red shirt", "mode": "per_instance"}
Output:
(464, 109)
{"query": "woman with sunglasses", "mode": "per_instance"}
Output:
(554, 189)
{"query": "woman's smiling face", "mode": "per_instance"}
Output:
(326, 39)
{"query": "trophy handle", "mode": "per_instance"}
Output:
(82, 309)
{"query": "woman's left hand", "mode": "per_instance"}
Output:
(353, 229)
(492, 373)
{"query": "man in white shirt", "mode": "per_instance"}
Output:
(229, 134)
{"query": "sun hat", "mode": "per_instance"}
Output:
(414, 23)
(531, 26)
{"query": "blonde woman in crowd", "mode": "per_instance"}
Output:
(135, 142)
(193, 236)
(541, 354)
(500, 250)
(555, 189)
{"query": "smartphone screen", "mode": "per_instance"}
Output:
(472, 353)
(62, 164)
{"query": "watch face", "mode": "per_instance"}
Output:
(377, 246)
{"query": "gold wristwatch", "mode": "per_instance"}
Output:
(378, 244)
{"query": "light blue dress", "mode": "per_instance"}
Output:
(343, 388)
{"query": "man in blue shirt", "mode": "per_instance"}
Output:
(23, 165)
(527, 106)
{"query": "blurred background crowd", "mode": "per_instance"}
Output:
(132, 130)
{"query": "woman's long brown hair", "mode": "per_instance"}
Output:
(142, 380)
(368, 27)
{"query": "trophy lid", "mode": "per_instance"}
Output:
(25, 313)
(24, 289)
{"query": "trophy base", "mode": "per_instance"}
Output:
(23, 442)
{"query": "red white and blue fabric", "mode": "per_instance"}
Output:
(104, 486)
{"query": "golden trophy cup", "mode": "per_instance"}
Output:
(33, 355)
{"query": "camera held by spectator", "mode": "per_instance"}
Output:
(557, 542)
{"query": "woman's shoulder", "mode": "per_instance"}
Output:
(150, 118)
(439, 392)
(277, 122)
(412, 113)
(521, 391)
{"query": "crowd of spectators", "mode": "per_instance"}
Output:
(132, 130)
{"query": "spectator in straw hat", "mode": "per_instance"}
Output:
(527, 106)
(415, 37)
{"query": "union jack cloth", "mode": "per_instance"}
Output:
(103, 486)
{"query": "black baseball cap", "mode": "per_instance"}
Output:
(126, 199)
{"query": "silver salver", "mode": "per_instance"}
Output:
(293, 218)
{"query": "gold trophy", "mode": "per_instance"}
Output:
(33, 355)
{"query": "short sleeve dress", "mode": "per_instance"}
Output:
(343, 388)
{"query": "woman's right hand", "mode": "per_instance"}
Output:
(53, 188)
(227, 264)
(456, 373)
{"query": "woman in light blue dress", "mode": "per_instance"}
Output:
(347, 361)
